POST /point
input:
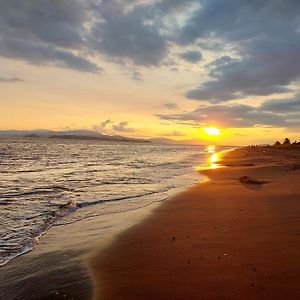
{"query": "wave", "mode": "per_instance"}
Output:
(9, 251)
(51, 184)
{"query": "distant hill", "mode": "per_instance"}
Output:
(69, 134)
(31, 135)
(97, 138)
(47, 133)
(90, 135)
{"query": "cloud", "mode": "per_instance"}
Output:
(275, 113)
(60, 23)
(70, 33)
(266, 37)
(125, 34)
(109, 126)
(170, 105)
(45, 32)
(191, 56)
(136, 75)
(123, 127)
(106, 123)
(11, 79)
(104, 126)
(291, 105)
(136, 32)
(38, 53)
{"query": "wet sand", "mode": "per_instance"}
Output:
(222, 239)
(56, 268)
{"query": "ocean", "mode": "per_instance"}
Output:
(48, 182)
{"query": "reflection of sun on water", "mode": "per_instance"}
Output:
(214, 157)
(211, 149)
(213, 160)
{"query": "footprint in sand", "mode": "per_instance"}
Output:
(252, 183)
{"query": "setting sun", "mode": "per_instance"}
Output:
(212, 131)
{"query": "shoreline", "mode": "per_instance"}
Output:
(64, 248)
(220, 239)
(140, 208)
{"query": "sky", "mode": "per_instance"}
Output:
(153, 68)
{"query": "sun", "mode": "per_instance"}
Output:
(212, 131)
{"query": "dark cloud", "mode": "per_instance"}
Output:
(266, 34)
(269, 68)
(291, 105)
(38, 53)
(170, 105)
(240, 20)
(69, 33)
(191, 56)
(60, 23)
(11, 79)
(45, 32)
(125, 34)
(265, 37)
(219, 62)
(275, 113)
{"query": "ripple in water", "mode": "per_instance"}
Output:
(47, 182)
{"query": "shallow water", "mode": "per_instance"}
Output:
(47, 183)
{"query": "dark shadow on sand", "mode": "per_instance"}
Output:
(38, 277)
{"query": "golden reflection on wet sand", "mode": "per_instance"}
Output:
(212, 161)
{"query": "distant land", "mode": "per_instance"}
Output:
(82, 134)
(69, 134)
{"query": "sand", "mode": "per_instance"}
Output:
(222, 239)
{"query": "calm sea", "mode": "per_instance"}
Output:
(47, 183)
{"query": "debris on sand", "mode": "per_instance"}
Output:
(249, 180)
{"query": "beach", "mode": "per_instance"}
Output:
(234, 236)
(221, 239)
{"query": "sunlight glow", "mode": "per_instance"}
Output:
(214, 131)
(213, 160)
(211, 149)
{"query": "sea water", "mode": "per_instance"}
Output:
(48, 182)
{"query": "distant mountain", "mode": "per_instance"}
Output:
(101, 137)
(47, 133)
(69, 134)
(82, 134)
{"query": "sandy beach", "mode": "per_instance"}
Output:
(235, 236)
(222, 239)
